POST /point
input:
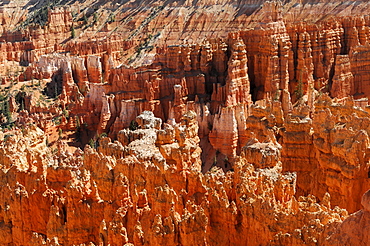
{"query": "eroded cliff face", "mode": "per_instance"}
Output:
(184, 123)
(146, 188)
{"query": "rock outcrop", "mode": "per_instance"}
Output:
(184, 122)
(146, 188)
(353, 230)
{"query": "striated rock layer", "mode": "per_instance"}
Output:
(147, 188)
(184, 123)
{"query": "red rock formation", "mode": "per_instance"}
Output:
(224, 134)
(353, 230)
(359, 65)
(251, 145)
(91, 198)
(237, 81)
(268, 50)
(343, 79)
(94, 69)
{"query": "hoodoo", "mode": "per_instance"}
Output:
(184, 122)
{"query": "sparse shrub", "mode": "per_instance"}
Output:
(85, 19)
(6, 110)
(95, 17)
(60, 132)
(92, 143)
(73, 33)
(112, 18)
(299, 90)
(66, 113)
(133, 125)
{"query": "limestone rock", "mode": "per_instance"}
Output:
(207, 122)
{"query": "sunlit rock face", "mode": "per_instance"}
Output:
(184, 123)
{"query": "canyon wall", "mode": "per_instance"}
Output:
(184, 123)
